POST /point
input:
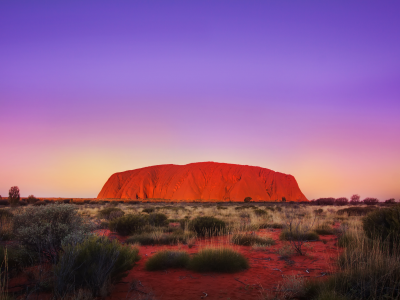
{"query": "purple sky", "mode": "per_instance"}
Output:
(309, 88)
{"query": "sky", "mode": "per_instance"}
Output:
(308, 88)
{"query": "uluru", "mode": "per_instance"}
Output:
(204, 181)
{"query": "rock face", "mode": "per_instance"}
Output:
(206, 181)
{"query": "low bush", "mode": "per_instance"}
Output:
(128, 224)
(222, 207)
(298, 235)
(167, 259)
(356, 211)
(40, 203)
(92, 264)
(324, 229)
(271, 225)
(106, 212)
(22, 203)
(32, 199)
(370, 201)
(244, 207)
(250, 240)
(157, 219)
(4, 202)
(18, 258)
(345, 239)
(44, 229)
(207, 226)
(260, 212)
(223, 260)
(383, 224)
(156, 238)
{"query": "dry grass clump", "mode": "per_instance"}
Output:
(167, 259)
(207, 226)
(224, 260)
(298, 235)
(251, 239)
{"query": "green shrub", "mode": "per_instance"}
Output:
(223, 260)
(247, 199)
(148, 210)
(128, 224)
(250, 240)
(298, 235)
(167, 259)
(207, 226)
(18, 258)
(44, 229)
(157, 219)
(92, 264)
(106, 212)
(383, 224)
(221, 207)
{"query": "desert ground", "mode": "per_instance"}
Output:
(155, 250)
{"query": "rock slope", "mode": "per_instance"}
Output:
(205, 181)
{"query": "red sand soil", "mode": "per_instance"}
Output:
(206, 181)
(266, 271)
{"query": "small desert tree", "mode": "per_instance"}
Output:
(13, 195)
(390, 201)
(355, 199)
(247, 199)
(283, 199)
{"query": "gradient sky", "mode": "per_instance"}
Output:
(308, 88)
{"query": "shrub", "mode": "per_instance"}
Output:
(40, 203)
(92, 264)
(271, 225)
(128, 224)
(283, 199)
(13, 195)
(370, 201)
(157, 219)
(298, 235)
(247, 199)
(324, 229)
(18, 258)
(22, 203)
(224, 260)
(345, 239)
(383, 224)
(43, 229)
(110, 213)
(325, 201)
(207, 226)
(270, 208)
(4, 202)
(318, 211)
(167, 259)
(260, 212)
(157, 238)
(390, 201)
(341, 201)
(250, 240)
(221, 207)
(148, 210)
(32, 199)
(356, 211)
